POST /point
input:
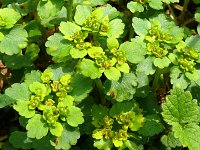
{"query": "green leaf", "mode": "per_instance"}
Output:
(112, 43)
(162, 62)
(43, 143)
(51, 12)
(80, 91)
(57, 129)
(135, 7)
(193, 42)
(20, 60)
(69, 29)
(178, 78)
(58, 47)
(89, 69)
(5, 100)
(75, 116)
(82, 13)
(18, 91)
(98, 113)
(141, 26)
(20, 140)
(115, 28)
(170, 141)
(156, 4)
(180, 107)
(36, 127)
(78, 53)
(147, 66)
(23, 108)
(12, 43)
(112, 74)
(135, 50)
(69, 137)
(122, 90)
(123, 67)
(192, 76)
(103, 144)
(8, 17)
(152, 126)
(197, 15)
(189, 135)
(33, 76)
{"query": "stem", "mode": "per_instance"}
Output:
(69, 9)
(185, 5)
(156, 79)
(173, 14)
(100, 91)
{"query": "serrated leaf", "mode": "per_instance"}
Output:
(20, 140)
(122, 90)
(193, 42)
(75, 116)
(180, 107)
(12, 43)
(112, 74)
(58, 47)
(141, 26)
(33, 76)
(35, 123)
(147, 66)
(189, 135)
(152, 126)
(69, 137)
(8, 18)
(5, 100)
(162, 62)
(178, 78)
(89, 69)
(22, 108)
(80, 91)
(56, 129)
(115, 28)
(135, 7)
(51, 12)
(170, 141)
(82, 13)
(18, 91)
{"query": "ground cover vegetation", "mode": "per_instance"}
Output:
(100, 74)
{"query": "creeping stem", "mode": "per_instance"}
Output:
(156, 79)
(69, 10)
(100, 91)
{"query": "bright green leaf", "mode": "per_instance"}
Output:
(75, 116)
(18, 91)
(115, 28)
(162, 62)
(22, 107)
(141, 26)
(37, 128)
(82, 13)
(135, 7)
(8, 17)
(56, 129)
(180, 107)
(89, 69)
(14, 40)
(112, 74)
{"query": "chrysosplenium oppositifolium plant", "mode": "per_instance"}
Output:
(99, 74)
